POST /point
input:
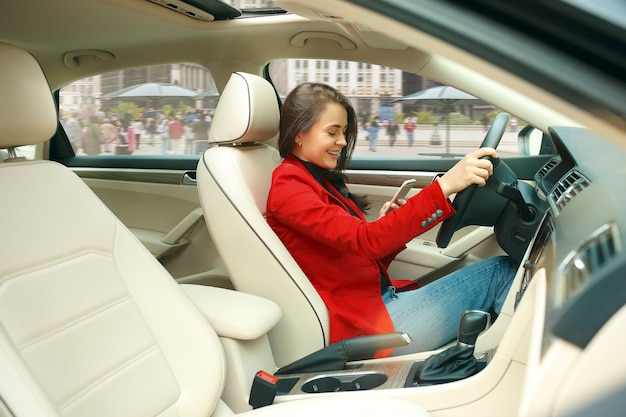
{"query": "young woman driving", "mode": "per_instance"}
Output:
(344, 256)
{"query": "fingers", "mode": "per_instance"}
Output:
(384, 209)
(479, 166)
(480, 170)
(389, 206)
(481, 152)
(471, 169)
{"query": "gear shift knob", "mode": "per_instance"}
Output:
(471, 324)
(456, 362)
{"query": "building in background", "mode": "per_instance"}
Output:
(80, 97)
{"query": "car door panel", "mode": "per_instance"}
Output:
(162, 209)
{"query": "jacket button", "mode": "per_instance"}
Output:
(424, 224)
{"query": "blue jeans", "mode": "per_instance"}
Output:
(430, 315)
(166, 144)
(410, 136)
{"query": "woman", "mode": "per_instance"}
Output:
(345, 257)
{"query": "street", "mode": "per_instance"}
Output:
(462, 141)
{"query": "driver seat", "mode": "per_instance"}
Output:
(234, 177)
(90, 323)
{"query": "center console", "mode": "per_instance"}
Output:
(455, 363)
(247, 351)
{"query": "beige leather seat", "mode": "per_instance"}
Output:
(234, 177)
(90, 323)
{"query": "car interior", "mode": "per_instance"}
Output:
(145, 285)
(233, 183)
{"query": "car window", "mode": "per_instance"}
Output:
(141, 111)
(154, 110)
(26, 152)
(400, 114)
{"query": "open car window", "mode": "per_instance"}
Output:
(401, 115)
(153, 110)
(141, 111)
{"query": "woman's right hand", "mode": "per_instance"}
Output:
(389, 206)
(471, 169)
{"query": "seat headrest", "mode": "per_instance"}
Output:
(247, 111)
(27, 111)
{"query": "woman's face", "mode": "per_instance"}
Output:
(323, 142)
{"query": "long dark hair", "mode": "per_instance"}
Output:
(301, 109)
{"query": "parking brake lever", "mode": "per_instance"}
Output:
(334, 357)
(364, 347)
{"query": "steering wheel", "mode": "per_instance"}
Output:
(477, 212)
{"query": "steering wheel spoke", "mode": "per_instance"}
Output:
(475, 205)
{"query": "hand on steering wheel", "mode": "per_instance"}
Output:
(474, 168)
(461, 203)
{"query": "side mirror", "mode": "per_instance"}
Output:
(532, 142)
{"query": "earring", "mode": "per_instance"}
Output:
(299, 144)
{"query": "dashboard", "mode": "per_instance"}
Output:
(579, 242)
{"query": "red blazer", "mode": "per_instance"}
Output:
(343, 255)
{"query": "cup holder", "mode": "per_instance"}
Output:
(344, 382)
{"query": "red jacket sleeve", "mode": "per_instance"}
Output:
(299, 202)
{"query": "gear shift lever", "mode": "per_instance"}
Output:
(471, 324)
(457, 362)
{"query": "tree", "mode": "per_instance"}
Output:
(121, 109)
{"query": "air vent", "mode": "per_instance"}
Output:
(546, 168)
(567, 188)
(205, 10)
(584, 263)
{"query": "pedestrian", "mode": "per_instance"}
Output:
(392, 132)
(176, 131)
(410, 125)
(139, 128)
(150, 124)
(93, 136)
(151, 129)
(372, 133)
(109, 133)
(201, 128)
(120, 138)
(74, 131)
(164, 135)
(189, 135)
(130, 135)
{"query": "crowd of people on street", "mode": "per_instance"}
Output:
(187, 132)
(175, 132)
(391, 129)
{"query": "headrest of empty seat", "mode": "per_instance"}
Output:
(27, 111)
(247, 111)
